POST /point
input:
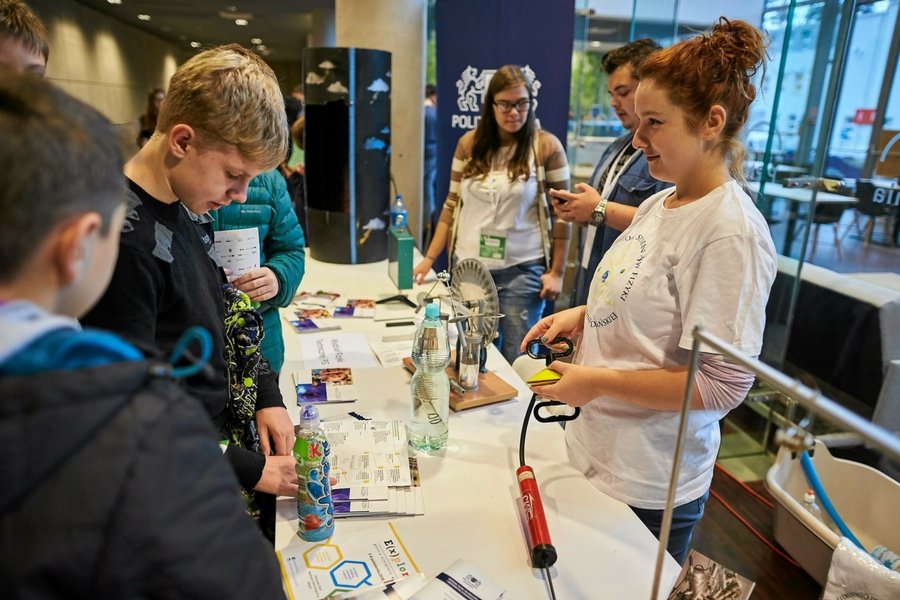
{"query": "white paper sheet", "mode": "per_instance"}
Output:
(331, 350)
(238, 250)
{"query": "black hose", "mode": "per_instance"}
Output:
(525, 429)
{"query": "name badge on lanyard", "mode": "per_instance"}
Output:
(492, 247)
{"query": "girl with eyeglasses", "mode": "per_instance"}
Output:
(496, 210)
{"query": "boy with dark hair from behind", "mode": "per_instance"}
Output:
(222, 124)
(112, 484)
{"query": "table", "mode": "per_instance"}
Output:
(796, 197)
(470, 491)
(845, 331)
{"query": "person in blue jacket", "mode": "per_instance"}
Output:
(621, 176)
(282, 258)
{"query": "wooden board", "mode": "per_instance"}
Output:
(491, 389)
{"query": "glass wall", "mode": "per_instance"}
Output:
(807, 32)
(829, 105)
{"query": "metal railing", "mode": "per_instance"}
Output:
(812, 400)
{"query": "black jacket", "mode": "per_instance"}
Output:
(164, 282)
(112, 486)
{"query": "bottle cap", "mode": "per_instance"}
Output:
(309, 416)
(432, 311)
(809, 496)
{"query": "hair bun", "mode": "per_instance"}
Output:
(738, 46)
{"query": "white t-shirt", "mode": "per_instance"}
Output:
(710, 263)
(494, 203)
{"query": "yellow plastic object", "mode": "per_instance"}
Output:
(544, 377)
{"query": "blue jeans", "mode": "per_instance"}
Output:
(684, 519)
(519, 290)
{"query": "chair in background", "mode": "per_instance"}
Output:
(866, 205)
(828, 214)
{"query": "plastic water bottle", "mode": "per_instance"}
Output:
(398, 212)
(809, 502)
(315, 506)
(887, 557)
(430, 387)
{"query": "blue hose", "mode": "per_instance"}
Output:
(202, 337)
(816, 484)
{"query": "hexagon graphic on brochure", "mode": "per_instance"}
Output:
(322, 556)
(351, 574)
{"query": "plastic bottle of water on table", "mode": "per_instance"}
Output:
(315, 506)
(399, 215)
(430, 387)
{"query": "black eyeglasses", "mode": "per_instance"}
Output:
(522, 105)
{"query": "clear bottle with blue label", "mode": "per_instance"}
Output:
(315, 506)
(430, 387)
(399, 216)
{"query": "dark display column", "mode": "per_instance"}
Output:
(347, 142)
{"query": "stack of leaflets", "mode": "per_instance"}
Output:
(324, 386)
(372, 469)
(313, 312)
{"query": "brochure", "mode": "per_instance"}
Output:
(325, 385)
(356, 307)
(313, 313)
(358, 562)
(313, 325)
(319, 298)
(459, 581)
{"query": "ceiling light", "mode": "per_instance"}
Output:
(241, 22)
(256, 40)
(143, 17)
(195, 44)
(114, 1)
(233, 13)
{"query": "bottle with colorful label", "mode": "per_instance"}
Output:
(315, 506)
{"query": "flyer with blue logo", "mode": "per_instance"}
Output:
(362, 561)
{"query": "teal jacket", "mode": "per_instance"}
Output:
(268, 208)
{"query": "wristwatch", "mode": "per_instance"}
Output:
(598, 215)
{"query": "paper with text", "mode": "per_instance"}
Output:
(332, 350)
(238, 250)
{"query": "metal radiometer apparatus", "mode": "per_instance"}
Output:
(475, 310)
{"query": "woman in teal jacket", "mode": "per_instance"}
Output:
(268, 208)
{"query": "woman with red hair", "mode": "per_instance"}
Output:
(698, 253)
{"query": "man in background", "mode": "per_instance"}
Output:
(621, 176)
(23, 39)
